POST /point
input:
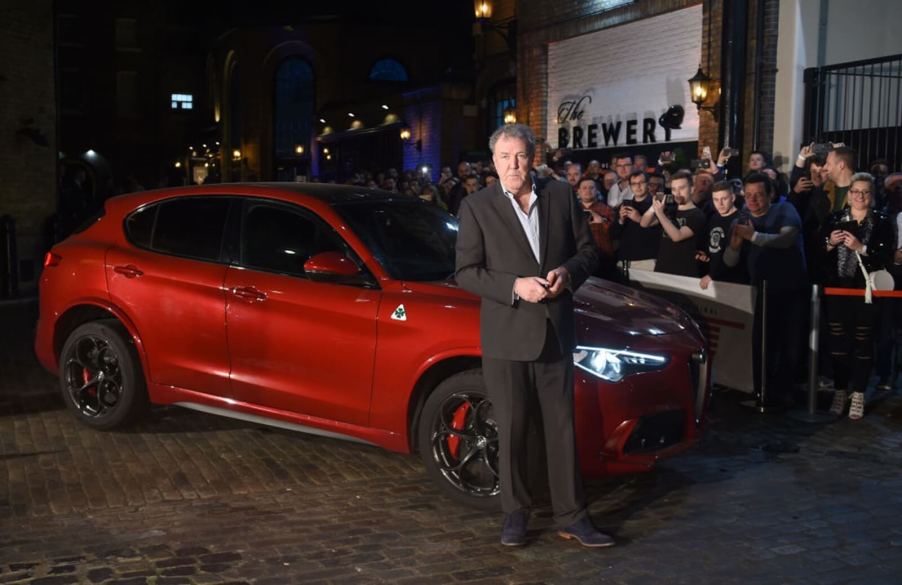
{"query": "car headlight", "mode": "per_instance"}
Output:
(615, 364)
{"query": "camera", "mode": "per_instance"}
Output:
(697, 164)
(819, 152)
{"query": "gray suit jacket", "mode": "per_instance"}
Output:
(492, 251)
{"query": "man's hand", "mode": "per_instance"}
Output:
(704, 282)
(735, 238)
(557, 280)
(803, 184)
(745, 231)
(629, 212)
(658, 206)
(595, 217)
(532, 289)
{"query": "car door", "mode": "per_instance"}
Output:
(296, 342)
(168, 277)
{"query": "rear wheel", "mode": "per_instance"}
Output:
(100, 375)
(458, 441)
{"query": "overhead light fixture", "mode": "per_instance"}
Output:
(322, 121)
(299, 149)
(350, 114)
(236, 154)
(384, 107)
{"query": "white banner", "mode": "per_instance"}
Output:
(725, 312)
(609, 88)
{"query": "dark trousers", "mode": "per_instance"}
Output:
(785, 317)
(515, 389)
(850, 323)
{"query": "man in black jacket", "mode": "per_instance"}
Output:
(524, 248)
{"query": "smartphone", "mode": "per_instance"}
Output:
(588, 215)
(706, 153)
(848, 226)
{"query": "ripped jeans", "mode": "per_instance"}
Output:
(850, 331)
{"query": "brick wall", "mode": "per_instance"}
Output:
(27, 169)
(542, 22)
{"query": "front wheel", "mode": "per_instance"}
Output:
(100, 375)
(458, 441)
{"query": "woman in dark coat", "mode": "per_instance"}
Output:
(855, 240)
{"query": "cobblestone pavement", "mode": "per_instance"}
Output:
(191, 498)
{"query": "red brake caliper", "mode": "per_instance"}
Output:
(86, 377)
(457, 423)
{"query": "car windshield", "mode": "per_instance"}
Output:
(411, 239)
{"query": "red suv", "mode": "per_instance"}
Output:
(332, 310)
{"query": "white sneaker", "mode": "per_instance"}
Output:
(839, 402)
(856, 411)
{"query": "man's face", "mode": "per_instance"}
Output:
(463, 169)
(490, 180)
(641, 163)
(680, 190)
(817, 174)
(573, 175)
(756, 199)
(723, 201)
(512, 162)
(833, 166)
(610, 178)
(593, 169)
(639, 187)
(624, 167)
(655, 185)
(588, 192)
(756, 162)
(471, 184)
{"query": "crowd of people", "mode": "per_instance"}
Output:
(825, 223)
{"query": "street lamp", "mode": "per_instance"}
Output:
(700, 87)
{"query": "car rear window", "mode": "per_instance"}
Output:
(192, 226)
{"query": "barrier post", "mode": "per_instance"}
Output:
(811, 415)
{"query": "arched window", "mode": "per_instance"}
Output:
(502, 97)
(388, 70)
(294, 106)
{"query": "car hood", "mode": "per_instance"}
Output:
(613, 308)
(604, 310)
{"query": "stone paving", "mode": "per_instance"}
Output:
(190, 498)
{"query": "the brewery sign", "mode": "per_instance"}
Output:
(577, 130)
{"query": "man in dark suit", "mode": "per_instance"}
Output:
(524, 248)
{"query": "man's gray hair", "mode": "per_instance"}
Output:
(518, 131)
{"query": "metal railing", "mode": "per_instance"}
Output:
(860, 104)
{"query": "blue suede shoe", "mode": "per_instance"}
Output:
(513, 533)
(586, 534)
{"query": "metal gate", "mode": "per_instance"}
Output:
(860, 104)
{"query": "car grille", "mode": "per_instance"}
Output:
(657, 431)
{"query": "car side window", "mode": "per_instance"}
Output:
(139, 226)
(278, 239)
(192, 227)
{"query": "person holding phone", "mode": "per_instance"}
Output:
(681, 231)
(856, 240)
(638, 245)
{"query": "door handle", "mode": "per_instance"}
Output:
(129, 271)
(249, 293)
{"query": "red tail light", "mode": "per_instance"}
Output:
(51, 259)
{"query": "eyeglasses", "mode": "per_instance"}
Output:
(856, 192)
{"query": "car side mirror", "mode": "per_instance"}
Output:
(331, 264)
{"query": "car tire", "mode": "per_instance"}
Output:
(458, 441)
(100, 375)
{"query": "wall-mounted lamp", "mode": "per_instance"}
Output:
(405, 133)
(510, 116)
(507, 28)
(700, 88)
(299, 149)
(178, 164)
(236, 154)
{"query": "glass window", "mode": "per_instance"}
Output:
(181, 101)
(388, 70)
(412, 240)
(294, 101)
(192, 226)
(278, 239)
(139, 226)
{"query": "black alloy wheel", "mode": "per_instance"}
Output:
(100, 376)
(458, 441)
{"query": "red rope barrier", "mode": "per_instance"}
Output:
(859, 292)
